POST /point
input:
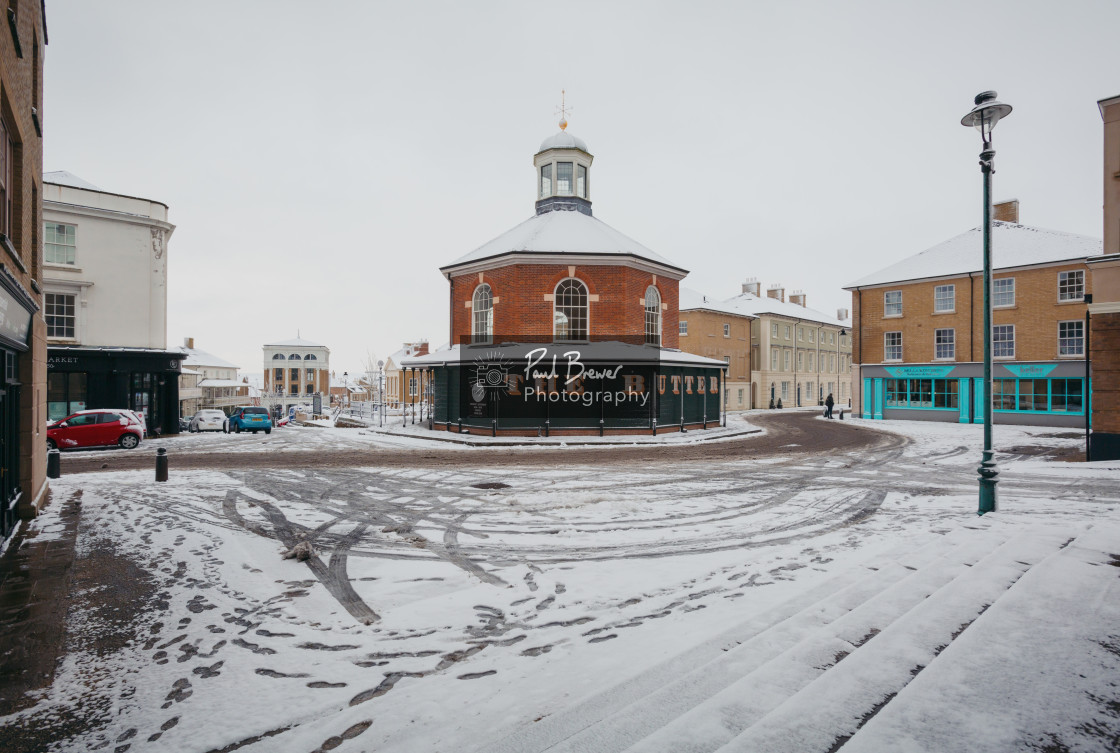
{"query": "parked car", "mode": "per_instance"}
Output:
(250, 418)
(185, 423)
(94, 428)
(210, 419)
(140, 420)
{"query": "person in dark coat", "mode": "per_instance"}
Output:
(828, 403)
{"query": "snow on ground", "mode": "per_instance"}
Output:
(443, 617)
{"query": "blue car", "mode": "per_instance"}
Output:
(250, 418)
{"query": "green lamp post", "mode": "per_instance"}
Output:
(983, 117)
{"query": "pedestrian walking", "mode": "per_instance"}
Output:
(828, 403)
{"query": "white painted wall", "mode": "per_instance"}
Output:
(120, 270)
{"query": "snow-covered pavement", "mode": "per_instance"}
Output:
(683, 607)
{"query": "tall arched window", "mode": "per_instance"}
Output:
(570, 312)
(294, 357)
(482, 315)
(653, 316)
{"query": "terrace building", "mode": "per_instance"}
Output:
(918, 329)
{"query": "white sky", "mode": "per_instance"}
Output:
(322, 160)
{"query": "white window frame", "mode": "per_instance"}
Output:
(785, 360)
(1007, 352)
(682, 327)
(586, 308)
(787, 333)
(945, 346)
(482, 332)
(726, 329)
(773, 359)
(944, 299)
(888, 347)
(75, 302)
(996, 305)
(888, 304)
(1064, 342)
(46, 243)
(774, 330)
(652, 306)
(1064, 282)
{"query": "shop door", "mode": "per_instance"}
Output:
(144, 396)
(9, 461)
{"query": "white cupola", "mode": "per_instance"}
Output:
(563, 166)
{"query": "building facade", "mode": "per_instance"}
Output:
(23, 347)
(105, 303)
(795, 356)
(919, 329)
(563, 324)
(296, 372)
(217, 382)
(1104, 311)
(403, 387)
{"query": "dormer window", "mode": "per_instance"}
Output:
(546, 180)
(563, 178)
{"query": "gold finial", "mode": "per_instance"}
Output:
(563, 111)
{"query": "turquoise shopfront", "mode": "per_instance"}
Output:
(1046, 394)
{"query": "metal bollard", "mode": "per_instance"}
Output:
(54, 464)
(600, 427)
(161, 464)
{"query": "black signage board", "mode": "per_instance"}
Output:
(16, 311)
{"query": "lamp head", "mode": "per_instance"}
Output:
(984, 116)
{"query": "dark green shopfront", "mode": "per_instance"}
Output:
(1039, 394)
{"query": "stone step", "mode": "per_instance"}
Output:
(827, 711)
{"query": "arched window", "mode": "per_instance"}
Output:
(570, 311)
(310, 357)
(279, 357)
(294, 357)
(482, 315)
(653, 316)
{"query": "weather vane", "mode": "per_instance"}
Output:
(563, 111)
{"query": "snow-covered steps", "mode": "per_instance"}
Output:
(615, 719)
(828, 711)
(1037, 671)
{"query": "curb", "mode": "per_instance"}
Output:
(558, 442)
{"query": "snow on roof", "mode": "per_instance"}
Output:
(562, 233)
(222, 383)
(298, 342)
(563, 140)
(748, 304)
(63, 178)
(189, 371)
(1013, 245)
(196, 357)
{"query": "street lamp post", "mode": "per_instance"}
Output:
(839, 337)
(983, 117)
(380, 393)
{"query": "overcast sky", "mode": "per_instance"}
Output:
(322, 160)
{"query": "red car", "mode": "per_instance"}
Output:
(96, 428)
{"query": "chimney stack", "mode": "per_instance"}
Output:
(1006, 211)
(798, 297)
(753, 286)
(422, 348)
(776, 291)
(842, 314)
(188, 342)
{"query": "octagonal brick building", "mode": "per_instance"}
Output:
(566, 281)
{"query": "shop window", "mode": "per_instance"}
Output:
(945, 393)
(1065, 395)
(66, 394)
(1003, 394)
(1033, 394)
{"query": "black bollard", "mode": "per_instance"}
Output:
(841, 414)
(161, 464)
(54, 464)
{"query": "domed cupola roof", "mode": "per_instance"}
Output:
(563, 140)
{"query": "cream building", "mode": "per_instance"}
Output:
(295, 371)
(797, 355)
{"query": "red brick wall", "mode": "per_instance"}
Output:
(522, 310)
